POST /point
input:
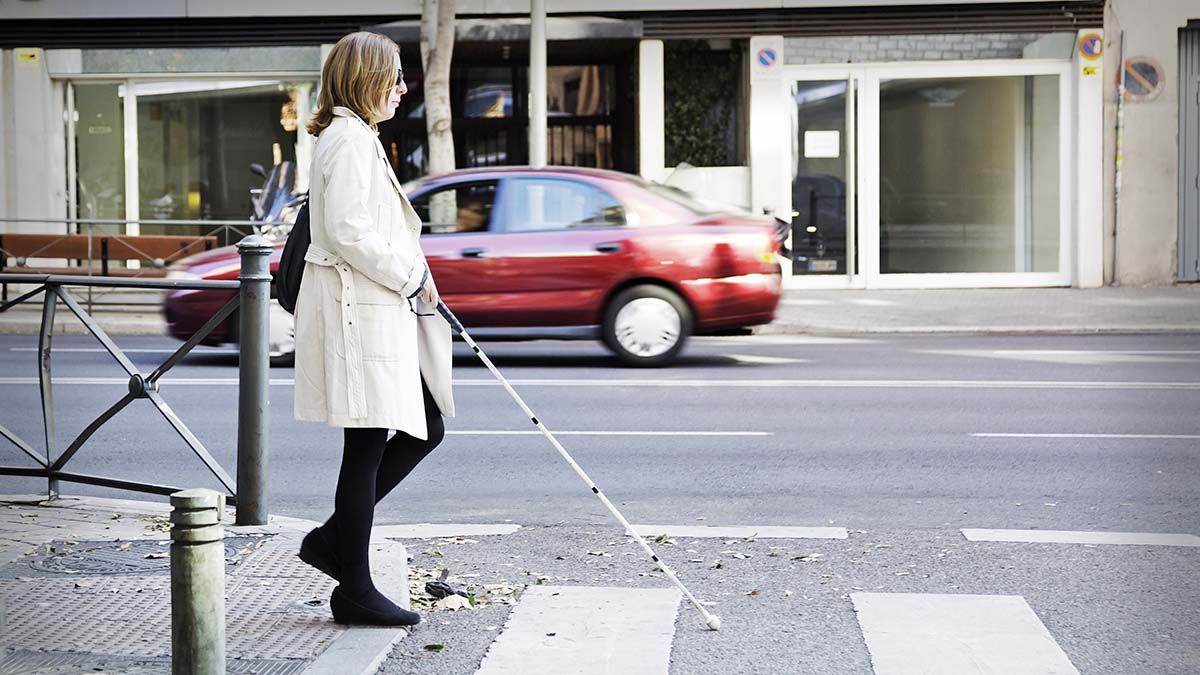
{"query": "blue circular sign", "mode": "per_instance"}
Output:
(767, 57)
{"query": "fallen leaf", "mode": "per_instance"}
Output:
(754, 592)
(452, 603)
(436, 647)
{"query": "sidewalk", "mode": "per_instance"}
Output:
(1001, 310)
(85, 586)
(1004, 310)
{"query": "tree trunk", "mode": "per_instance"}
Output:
(437, 49)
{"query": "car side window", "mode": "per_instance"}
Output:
(535, 204)
(458, 208)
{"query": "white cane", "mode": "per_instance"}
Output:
(712, 621)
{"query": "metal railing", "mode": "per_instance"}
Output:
(254, 290)
(225, 231)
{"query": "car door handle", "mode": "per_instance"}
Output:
(608, 247)
(472, 253)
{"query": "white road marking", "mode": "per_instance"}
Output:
(870, 302)
(436, 530)
(805, 302)
(508, 432)
(1076, 356)
(586, 630)
(742, 531)
(773, 340)
(99, 350)
(1165, 437)
(766, 360)
(1069, 537)
(703, 384)
(929, 634)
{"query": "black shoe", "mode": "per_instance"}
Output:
(316, 551)
(372, 609)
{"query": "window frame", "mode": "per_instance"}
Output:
(426, 225)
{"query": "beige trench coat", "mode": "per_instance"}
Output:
(361, 349)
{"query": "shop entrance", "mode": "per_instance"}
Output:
(930, 175)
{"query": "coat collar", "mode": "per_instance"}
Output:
(343, 111)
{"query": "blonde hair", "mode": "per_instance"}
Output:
(360, 69)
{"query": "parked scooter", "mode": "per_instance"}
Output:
(276, 203)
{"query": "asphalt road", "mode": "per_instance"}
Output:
(903, 440)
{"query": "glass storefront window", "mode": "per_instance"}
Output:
(197, 140)
(100, 152)
(969, 174)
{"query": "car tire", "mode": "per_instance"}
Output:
(646, 326)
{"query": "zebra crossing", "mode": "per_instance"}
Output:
(607, 628)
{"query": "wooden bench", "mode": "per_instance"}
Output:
(105, 248)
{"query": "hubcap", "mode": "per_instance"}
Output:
(647, 327)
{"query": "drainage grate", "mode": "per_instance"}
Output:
(28, 662)
(128, 557)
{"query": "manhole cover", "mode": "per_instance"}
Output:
(127, 557)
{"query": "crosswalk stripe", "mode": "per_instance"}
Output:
(742, 531)
(511, 432)
(586, 630)
(434, 530)
(1162, 437)
(1074, 537)
(931, 634)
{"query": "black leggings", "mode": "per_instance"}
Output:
(371, 466)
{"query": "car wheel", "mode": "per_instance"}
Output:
(646, 325)
(281, 336)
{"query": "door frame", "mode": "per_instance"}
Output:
(866, 129)
(854, 77)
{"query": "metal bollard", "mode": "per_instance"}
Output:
(253, 378)
(197, 583)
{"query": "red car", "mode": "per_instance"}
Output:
(562, 253)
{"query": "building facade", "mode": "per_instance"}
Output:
(946, 144)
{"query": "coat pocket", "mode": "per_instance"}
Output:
(382, 332)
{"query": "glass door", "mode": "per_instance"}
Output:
(822, 242)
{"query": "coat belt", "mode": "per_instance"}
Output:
(356, 390)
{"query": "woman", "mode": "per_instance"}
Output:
(371, 352)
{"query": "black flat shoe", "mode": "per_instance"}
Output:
(316, 551)
(373, 610)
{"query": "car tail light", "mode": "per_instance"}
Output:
(747, 252)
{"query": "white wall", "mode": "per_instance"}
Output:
(770, 184)
(1145, 235)
(652, 136)
(33, 175)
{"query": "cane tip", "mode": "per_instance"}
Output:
(714, 623)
